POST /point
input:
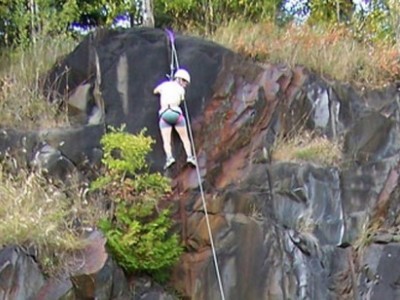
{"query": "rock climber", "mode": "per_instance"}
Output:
(172, 93)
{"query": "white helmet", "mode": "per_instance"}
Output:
(183, 74)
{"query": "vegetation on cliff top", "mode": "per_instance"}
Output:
(357, 48)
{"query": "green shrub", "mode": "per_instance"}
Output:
(139, 239)
(138, 233)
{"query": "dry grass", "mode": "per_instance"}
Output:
(330, 52)
(366, 230)
(41, 216)
(307, 148)
(305, 223)
(22, 104)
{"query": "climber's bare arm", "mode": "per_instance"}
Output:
(156, 90)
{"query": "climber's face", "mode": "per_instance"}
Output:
(182, 82)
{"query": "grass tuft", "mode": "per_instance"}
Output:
(306, 147)
(22, 103)
(42, 216)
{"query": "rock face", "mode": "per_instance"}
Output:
(20, 277)
(281, 230)
(126, 87)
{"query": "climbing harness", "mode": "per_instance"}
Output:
(171, 116)
(175, 64)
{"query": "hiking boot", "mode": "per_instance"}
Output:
(170, 161)
(191, 160)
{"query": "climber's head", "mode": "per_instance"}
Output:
(182, 76)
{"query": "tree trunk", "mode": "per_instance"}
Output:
(148, 16)
(33, 20)
(338, 10)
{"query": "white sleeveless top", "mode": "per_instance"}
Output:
(171, 94)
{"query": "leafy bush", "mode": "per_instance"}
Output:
(139, 239)
(138, 233)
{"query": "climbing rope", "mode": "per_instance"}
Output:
(175, 64)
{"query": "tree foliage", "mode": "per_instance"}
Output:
(103, 12)
(368, 20)
(22, 20)
(380, 20)
(330, 11)
(210, 14)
